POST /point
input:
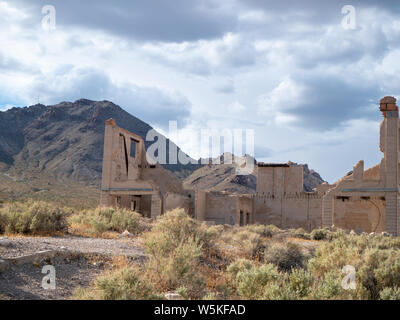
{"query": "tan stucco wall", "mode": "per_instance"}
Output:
(361, 215)
(292, 211)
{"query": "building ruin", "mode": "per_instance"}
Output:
(364, 200)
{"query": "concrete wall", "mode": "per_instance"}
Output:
(359, 214)
(279, 179)
(291, 211)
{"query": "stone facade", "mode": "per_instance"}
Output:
(129, 181)
(364, 200)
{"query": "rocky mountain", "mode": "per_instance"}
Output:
(311, 178)
(65, 140)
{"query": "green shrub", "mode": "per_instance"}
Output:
(390, 293)
(237, 266)
(101, 220)
(320, 234)
(265, 231)
(251, 284)
(175, 245)
(3, 222)
(124, 284)
(176, 226)
(300, 233)
(285, 256)
(34, 217)
(330, 287)
(250, 243)
(376, 261)
(301, 282)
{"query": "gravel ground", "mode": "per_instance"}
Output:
(91, 257)
(25, 282)
(16, 247)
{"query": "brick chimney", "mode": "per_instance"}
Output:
(388, 107)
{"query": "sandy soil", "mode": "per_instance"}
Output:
(91, 257)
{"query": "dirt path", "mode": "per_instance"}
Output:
(16, 247)
(90, 258)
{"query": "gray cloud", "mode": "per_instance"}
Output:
(331, 101)
(149, 104)
(11, 64)
(174, 21)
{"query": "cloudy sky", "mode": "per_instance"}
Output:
(287, 69)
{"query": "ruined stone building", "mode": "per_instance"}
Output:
(364, 200)
(129, 181)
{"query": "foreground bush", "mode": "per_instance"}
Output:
(264, 231)
(320, 234)
(249, 241)
(124, 284)
(265, 282)
(101, 220)
(175, 245)
(3, 222)
(285, 256)
(375, 259)
(33, 217)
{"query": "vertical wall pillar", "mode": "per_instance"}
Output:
(389, 144)
(156, 206)
(327, 211)
(105, 198)
(391, 213)
(200, 205)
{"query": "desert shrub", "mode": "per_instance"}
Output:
(390, 293)
(285, 256)
(280, 291)
(124, 284)
(34, 217)
(175, 227)
(3, 222)
(330, 287)
(320, 234)
(264, 231)
(376, 261)
(300, 233)
(252, 283)
(175, 245)
(250, 243)
(100, 220)
(237, 266)
(301, 282)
